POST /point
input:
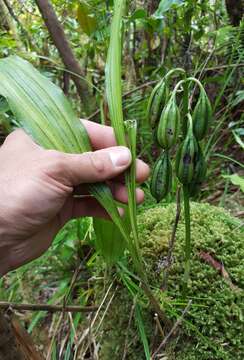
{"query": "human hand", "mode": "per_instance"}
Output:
(38, 186)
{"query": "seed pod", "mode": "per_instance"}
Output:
(201, 167)
(199, 174)
(156, 103)
(168, 127)
(161, 181)
(186, 158)
(202, 116)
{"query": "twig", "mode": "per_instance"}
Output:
(125, 95)
(50, 348)
(87, 331)
(176, 325)
(172, 239)
(221, 67)
(158, 324)
(128, 327)
(45, 307)
(208, 258)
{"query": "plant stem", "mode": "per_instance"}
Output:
(187, 236)
(185, 107)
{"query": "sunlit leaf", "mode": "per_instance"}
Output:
(236, 180)
(166, 5)
(86, 19)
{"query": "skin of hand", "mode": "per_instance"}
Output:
(38, 190)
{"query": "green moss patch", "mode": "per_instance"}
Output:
(213, 326)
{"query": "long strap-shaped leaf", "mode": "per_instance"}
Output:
(114, 98)
(41, 108)
(113, 74)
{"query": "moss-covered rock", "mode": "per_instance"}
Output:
(213, 326)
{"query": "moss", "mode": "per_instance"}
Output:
(213, 327)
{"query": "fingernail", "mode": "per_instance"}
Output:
(120, 156)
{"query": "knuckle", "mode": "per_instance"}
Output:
(55, 156)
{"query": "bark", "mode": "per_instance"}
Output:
(152, 6)
(9, 349)
(15, 342)
(59, 39)
(4, 18)
(235, 10)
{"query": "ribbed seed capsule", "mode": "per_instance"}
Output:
(161, 181)
(156, 103)
(168, 127)
(186, 157)
(201, 167)
(202, 116)
(199, 174)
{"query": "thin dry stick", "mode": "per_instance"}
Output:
(155, 305)
(93, 336)
(45, 307)
(49, 353)
(63, 343)
(128, 327)
(172, 239)
(176, 325)
(87, 331)
(158, 324)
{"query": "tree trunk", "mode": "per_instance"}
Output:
(152, 6)
(60, 41)
(235, 10)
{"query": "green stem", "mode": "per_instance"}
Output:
(173, 72)
(185, 107)
(187, 236)
(197, 82)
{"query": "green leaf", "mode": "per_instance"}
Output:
(238, 138)
(239, 98)
(138, 14)
(86, 19)
(113, 74)
(166, 5)
(114, 99)
(236, 180)
(41, 108)
(109, 241)
(142, 332)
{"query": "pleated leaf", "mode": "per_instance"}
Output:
(41, 108)
(43, 111)
(113, 74)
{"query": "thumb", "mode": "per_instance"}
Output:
(95, 166)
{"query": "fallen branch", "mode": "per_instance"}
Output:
(219, 267)
(176, 325)
(44, 307)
